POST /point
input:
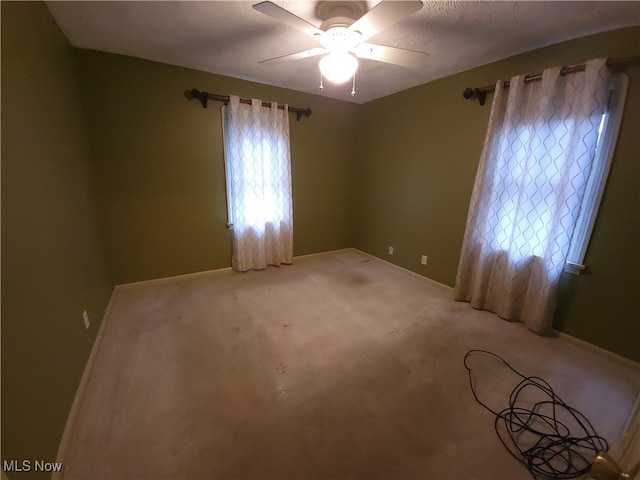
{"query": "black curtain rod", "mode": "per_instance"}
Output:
(204, 97)
(481, 93)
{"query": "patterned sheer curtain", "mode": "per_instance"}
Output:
(533, 170)
(258, 170)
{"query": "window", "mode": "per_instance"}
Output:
(535, 216)
(258, 194)
(540, 178)
(608, 135)
(258, 173)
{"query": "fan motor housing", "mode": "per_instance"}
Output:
(335, 22)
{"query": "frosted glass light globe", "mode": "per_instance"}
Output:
(338, 67)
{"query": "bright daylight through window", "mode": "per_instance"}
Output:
(545, 176)
(608, 135)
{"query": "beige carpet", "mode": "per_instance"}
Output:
(339, 366)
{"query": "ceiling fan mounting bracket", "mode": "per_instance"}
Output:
(349, 9)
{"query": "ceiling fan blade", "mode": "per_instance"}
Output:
(297, 56)
(285, 16)
(383, 15)
(395, 56)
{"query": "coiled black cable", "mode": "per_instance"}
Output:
(550, 438)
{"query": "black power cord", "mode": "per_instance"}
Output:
(550, 438)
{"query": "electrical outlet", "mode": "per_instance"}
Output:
(423, 260)
(390, 250)
(85, 317)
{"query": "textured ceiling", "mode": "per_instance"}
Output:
(230, 37)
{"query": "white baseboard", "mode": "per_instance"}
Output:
(431, 281)
(188, 276)
(378, 259)
(619, 359)
(622, 361)
(328, 252)
(184, 276)
(77, 399)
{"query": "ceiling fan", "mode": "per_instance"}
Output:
(343, 38)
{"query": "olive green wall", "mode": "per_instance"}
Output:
(161, 169)
(417, 158)
(53, 263)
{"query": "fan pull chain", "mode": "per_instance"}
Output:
(321, 87)
(353, 86)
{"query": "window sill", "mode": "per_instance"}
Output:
(574, 268)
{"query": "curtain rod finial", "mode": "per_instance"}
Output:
(473, 93)
(306, 112)
(202, 96)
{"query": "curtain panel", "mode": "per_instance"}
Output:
(533, 170)
(259, 195)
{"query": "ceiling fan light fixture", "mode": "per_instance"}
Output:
(338, 67)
